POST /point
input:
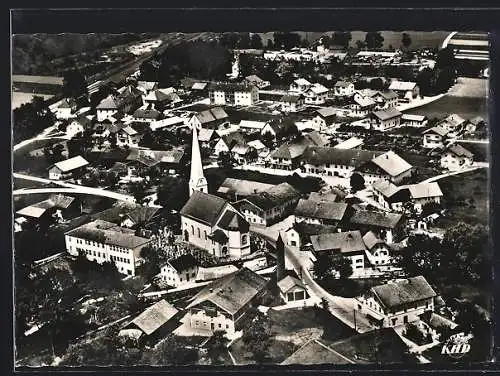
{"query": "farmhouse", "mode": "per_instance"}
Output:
(299, 235)
(271, 206)
(406, 91)
(180, 270)
(434, 137)
(292, 102)
(456, 157)
(236, 94)
(343, 88)
(292, 289)
(300, 85)
(385, 99)
(388, 166)
(361, 106)
(211, 118)
(316, 94)
(320, 212)
(398, 302)
(223, 304)
(389, 227)
(378, 253)
(238, 188)
(385, 119)
(69, 167)
(416, 121)
(325, 119)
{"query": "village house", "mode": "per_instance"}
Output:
(398, 302)
(389, 227)
(257, 81)
(180, 270)
(138, 216)
(329, 161)
(299, 235)
(147, 86)
(406, 91)
(147, 115)
(292, 289)
(350, 143)
(103, 241)
(324, 121)
(434, 137)
(66, 110)
(125, 100)
(454, 124)
(271, 206)
(287, 156)
(473, 124)
(224, 304)
(397, 198)
(226, 143)
(243, 153)
(207, 137)
(316, 94)
(377, 251)
(343, 89)
(78, 125)
(320, 212)
(251, 126)
(385, 119)
(292, 102)
(170, 123)
(214, 225)
(58, 206)
(347, 244)
(300, 85)
(67, 168)
(417, 121)
(215, 272)
(169, 161)
(210, 118)
(262, 150)
(280, 128)
(361, 106)
(456, 157)
(152, 325)
(234, 94)
(388, 166)
(128, 136)
(385, 99)
(161, 98)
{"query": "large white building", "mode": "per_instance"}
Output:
(103, 241)
(236, 94)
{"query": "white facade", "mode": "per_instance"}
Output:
(382, 125)
(199, 319)
(344, 91)
(105, 114)
(432, 140)
(178, 278)
(125, 259)
(220, 147)
(453, 162)
(73, 129)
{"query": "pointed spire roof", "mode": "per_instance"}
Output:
(196, 166)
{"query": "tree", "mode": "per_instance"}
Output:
(256, 42)
(31, 118)
(269, 44)
(406, 40)
(343, 266)
(171, 351)
(74, 84)
(323, 266)
(374, 40)
(413, 333)
(357, 182)
(360, 44)
(225, 160)
(257, 337)
(216, 346)
(341, 38)
(151, 265)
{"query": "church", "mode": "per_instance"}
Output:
(208, 221)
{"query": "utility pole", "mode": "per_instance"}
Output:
(354, 310)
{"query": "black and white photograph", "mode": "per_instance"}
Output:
(225, 199)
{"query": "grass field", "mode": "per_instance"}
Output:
(279, 351)
(481, 151)
(18, 98)
(466, 196)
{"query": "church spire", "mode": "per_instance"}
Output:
(197, 181)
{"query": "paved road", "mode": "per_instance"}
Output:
(451, 173)
(471, 141)
(74, 188)
(344, 309)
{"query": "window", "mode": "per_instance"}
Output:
(192, 229)
(227, 326)
(244, 239)
(205, 234)
(199, 232)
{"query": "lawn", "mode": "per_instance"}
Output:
(279, 351)
(449, 104)
(481, 151)
(466, 198)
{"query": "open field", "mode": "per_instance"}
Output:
(19, 98)
(466, 197)
(279, 351)
(467, 98)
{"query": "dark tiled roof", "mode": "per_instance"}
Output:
(147, 114)
(183, 262)
(387, 114)
(232, 292)
(345, 242)
(397, 293)
(203, 207)
(229, 86)
(320, 210)
(460, 151)
(219, 236)
(376, 218)
(233, 221)
(308, 229)
(155, 316)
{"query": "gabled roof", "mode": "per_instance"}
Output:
(243, 187)
(290, 98)
(108, 103)
(231, 86)
(342, 84)
(257, 145)
(476, 120)
(233, 138)
(203, 207)
(454, 120)
(326, 112)
(142, 214)
(296, 148)
(387, 94)
(231, 292)
(438, 130)
(183, 262)
(402, 85)
(213, 114)
(411, 117)
(215, 272)
(252, 124)
(129, 130)
(350, 143)
(233, 221)
(147, 85)
(273, 197)
(155, 317)
(301, 82)
(31, 211)
(385, 187)
(254, 79)
(218, 236)
(460, 151)
(308, 229)
(423, 190)
(199, 86)
(386, 114)
(147, 114)
(318, 89)
(371, 240)
(288, 282)
(205, 135)
(240, 149)
(376, 218)
(392, 163)
(406, 291)
(330, 155)
(363, 101)
(344, 242)
(320, 210)
(71, 164)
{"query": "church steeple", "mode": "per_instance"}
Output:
(197, 181)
